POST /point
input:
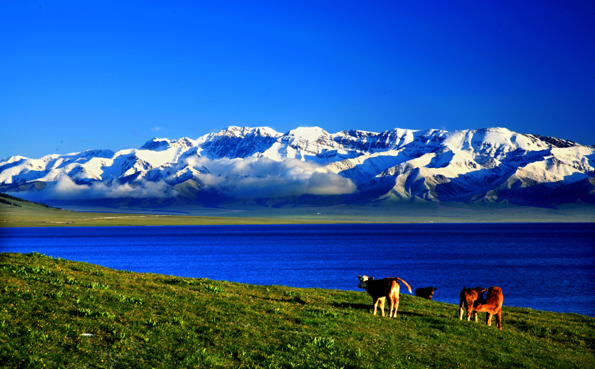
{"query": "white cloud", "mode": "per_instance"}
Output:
(239, 178)
(263, 177)
(66, 189)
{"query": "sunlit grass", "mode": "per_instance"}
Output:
(31, 215)
(26, 214)
(59, 313)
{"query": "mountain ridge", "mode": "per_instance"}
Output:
(257, 165)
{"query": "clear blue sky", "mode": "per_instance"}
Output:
(77, 75)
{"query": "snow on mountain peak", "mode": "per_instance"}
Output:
(433, 165)
(308, 133)
(160, 144)
(156, 144)
(235, 131)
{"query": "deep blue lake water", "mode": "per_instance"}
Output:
(539, 266)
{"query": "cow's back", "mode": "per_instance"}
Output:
(495, 298)
(468, 295)
(382, 287)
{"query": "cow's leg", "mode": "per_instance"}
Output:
(469, 311)
(499, 319)
(393, 299)
(489, 319)
(379, 302)
(391, 307)
(469, 306)
(475, 316)
(461, 311)
(396, 307)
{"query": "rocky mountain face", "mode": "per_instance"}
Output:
(309, 166)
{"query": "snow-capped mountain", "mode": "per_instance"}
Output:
(265, 167)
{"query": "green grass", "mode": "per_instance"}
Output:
(16, 212)
(19, 213)
(56, 313)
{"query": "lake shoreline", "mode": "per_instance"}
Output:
(513, 256)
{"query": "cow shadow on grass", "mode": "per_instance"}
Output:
(368, 307)
(351, 306)
(409, 313)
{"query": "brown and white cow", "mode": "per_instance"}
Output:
(380, 289)
(426, 292)
(468, 298)
(492, 305)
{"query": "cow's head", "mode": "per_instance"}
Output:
(480, 291)
(472, 294)
(473, 291)
(363, 281)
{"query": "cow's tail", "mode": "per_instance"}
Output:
(405, 283)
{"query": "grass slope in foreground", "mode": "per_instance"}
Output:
(58, 313)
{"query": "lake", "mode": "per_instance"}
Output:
(539, 266)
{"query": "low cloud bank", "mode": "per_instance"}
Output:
(263, 177)
(66, 189)
(237, 178)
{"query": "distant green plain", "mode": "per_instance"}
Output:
(34, 216)
(26, 214)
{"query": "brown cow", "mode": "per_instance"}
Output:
(468, 298)
(492, 305)
(426, 292)
(380, 289)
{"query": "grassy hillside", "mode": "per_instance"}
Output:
(16, 212)
(20, 213)
(58, 313)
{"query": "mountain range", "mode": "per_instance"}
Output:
(241, 166)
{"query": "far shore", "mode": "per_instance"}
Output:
(27, 214)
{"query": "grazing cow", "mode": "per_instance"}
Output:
(480, 295)
(380, 289)
(426, 292)
(492, 305)
(468, 298)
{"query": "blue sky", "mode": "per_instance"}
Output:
(77, 75)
